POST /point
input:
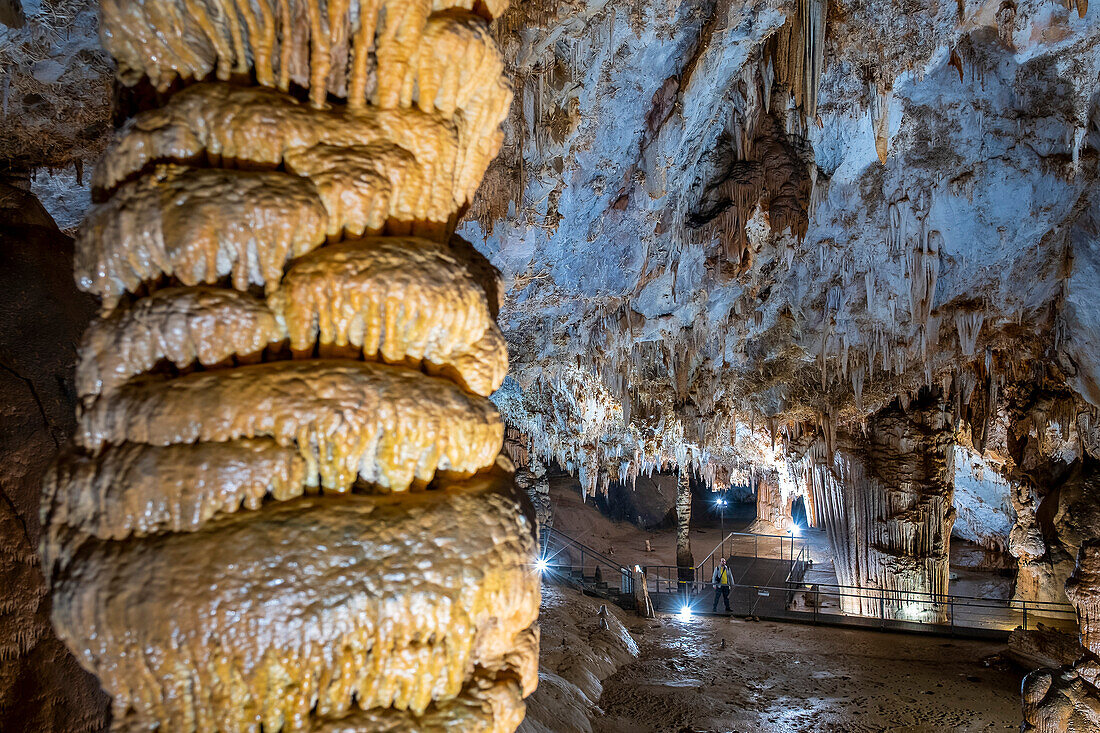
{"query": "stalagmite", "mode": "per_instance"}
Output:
(684, 559)
(240, 535)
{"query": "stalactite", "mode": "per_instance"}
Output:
(880, 121)
(969, 325)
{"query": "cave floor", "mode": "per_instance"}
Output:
(785, 677)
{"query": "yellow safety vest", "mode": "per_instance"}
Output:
(723, 578)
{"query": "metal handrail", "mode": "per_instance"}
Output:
(721, 544)
(626, 579)
(947, 596)
(701, 568)
(580, 546)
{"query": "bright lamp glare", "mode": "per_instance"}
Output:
(796, 530)
(685, 612)
(541, 565)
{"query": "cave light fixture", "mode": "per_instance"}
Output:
(685, 612)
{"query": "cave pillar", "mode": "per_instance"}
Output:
(531, 477)
(292, 347)
(885, 500)
(685, 562)
(773, 513)
(1035, 578)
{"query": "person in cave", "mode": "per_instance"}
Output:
(720, 579)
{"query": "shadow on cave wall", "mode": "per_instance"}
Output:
(42, 316)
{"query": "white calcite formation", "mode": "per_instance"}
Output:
(715, 246)
(886, 504)
(284, 505)
(984, 513)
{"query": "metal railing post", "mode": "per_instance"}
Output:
(882, 607)
(951, 610)
(1025, 615)
(817, 601)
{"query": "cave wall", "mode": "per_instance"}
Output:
(42, 315)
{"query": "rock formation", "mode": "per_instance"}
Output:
(886, 503)
(530, 477)
(42, 688)
(283, 505)
(1053, 470)
(685, 562)
(1068, 699)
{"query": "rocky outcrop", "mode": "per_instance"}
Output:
(1053, 473)
(575, 659)
(1068, 698)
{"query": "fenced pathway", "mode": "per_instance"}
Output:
(770, 582)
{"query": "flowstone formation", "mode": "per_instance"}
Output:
(284, 504)
(886, 504)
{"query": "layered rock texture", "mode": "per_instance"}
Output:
(283, 505)
(886, 503)
(1068, 698)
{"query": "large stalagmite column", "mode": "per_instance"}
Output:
(284, 506)
(685, 562)
(885, 501)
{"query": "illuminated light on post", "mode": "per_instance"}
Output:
(685, 612)
(542, 565)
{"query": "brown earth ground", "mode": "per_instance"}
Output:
(768, 677)
(787, 677)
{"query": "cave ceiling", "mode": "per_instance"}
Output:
(724, 225)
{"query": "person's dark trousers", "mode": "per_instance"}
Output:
(724, 591)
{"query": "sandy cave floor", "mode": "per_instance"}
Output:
(769, 677)
(786, 677)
